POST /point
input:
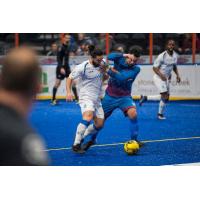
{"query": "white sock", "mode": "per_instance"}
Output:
(90, 130)
(79, 133)
(161, 107)
(154, 97)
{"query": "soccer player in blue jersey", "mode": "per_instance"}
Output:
(118, 93)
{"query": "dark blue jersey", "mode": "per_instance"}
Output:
(119, 60)
(120, 83)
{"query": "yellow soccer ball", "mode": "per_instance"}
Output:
(131, 147)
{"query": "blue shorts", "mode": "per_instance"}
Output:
(110, 103)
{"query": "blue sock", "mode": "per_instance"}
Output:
(85, 122)
(94, 136)
(134, 128)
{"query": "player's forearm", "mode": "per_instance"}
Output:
(124, 75)
(115, 74)
(105, 77)
(126, 55)
(69, 85)
(157, 71)
(175, 69)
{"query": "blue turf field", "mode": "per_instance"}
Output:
(57, 125)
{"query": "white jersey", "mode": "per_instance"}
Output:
(166, 63)
(89, 81)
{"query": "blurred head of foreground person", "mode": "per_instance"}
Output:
(19, 84)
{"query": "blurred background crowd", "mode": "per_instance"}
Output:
(48, 43)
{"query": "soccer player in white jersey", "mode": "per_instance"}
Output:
(90, 75)
(163, 66)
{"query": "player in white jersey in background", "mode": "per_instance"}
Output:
(90, 75)
(163, 66)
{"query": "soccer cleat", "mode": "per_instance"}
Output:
(161, 116)
(77, 149)
(54, 102)
(141, 144)
(75, 101)
(88, 144)
(142, 100)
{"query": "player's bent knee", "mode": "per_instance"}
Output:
(99, 125)
(88, 116)
(132, 113)
(165, 98)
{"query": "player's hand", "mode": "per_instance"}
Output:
(178, 79)
(130, 56)
(114, 70)
(62, 71)
(104, 68)
(69, 97)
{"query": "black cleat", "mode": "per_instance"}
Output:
(142, 100)
(161, 116)
(77, 149)
(141, 144)
(88, 144)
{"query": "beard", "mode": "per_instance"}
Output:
(95, 64)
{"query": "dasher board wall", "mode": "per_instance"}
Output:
(189, 88)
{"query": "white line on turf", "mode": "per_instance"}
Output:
(188, 164)
(121, 143)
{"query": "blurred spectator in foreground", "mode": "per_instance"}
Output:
(54, 50)
(19, 83)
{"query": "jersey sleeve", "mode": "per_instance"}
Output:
(126, 75)
(77, 72)
(115, 56)
(158, 62)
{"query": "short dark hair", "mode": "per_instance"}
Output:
(20, 74)
(170, 39)
(135, 51)
(94, 52)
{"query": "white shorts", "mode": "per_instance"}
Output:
(88, 105)
(162, 86)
